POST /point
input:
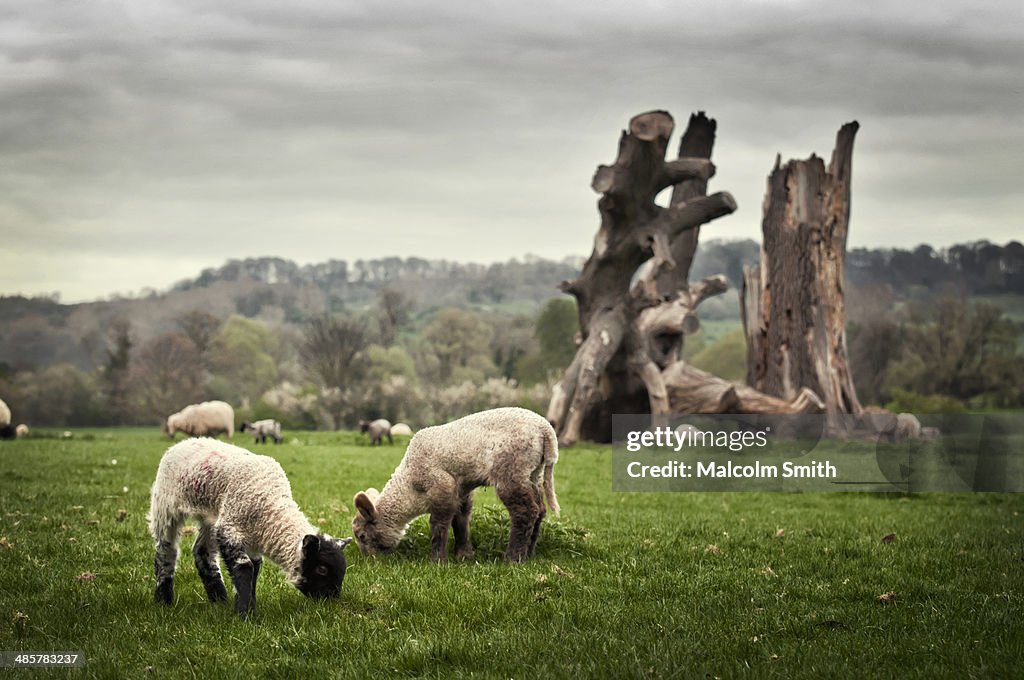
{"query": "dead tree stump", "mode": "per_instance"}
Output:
(634, 299)
(793, 305)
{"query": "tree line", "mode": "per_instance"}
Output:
(325, 345)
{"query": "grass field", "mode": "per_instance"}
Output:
(624, 585)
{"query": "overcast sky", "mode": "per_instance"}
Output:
(143, 140)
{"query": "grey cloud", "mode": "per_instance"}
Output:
(228, 119)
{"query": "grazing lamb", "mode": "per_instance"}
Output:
(377, 430)
(262, 429)
(507, 448)
(244, 506)
(207, 419)
(21, 430)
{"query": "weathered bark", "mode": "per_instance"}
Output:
(793, 304)
(634, 299)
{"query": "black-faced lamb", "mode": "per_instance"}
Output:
(511, 449)
(244, 506)
(377, 430)
(261, 429)
(206, 419)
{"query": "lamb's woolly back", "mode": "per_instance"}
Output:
(225, 485)
(204, 419)
(470, 444)
(512, 449)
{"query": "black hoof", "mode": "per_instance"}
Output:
(165, 592)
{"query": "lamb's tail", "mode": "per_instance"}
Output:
(550, 458)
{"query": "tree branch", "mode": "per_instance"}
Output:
(694, 213)
(683, 169)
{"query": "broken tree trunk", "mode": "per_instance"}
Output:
(634, 299)
(793, 305)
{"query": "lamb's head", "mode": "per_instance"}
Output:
(373, 536)
(171, 425)
(364, 425)
(323, 564)
(246, 426)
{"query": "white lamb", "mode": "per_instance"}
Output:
(243, 503)
(207, 419)
(507, 448)
(7, 431)
(261, 429)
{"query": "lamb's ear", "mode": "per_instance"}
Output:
(310, 544)
(342, 542)
(365, 505)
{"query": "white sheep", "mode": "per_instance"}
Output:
(21, 430)
(261, 429)
(6, 430)
(507, 448)
(401, 430)
(202, 420)
(377, 430)
(243, 503)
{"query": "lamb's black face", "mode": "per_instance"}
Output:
(323, 566)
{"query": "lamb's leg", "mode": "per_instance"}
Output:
(168, 534)
(521, 501)
(460, 527)
(536, 526)
(443, 501)
(243, 573)
(257, 562)
(204, 550)
(440, 522)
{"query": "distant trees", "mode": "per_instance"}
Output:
(459, 339)
(166, 375)
(200, 327)
(946, 347)
(116, 369)
(241, 360)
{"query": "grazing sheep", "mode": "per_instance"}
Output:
(207, 419)
(401, 430)
(907, 427)
(244, 506)
(377, 430)
(507, 448)
(262, 429)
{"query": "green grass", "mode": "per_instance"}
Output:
(624, 585)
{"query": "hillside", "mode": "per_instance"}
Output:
(38, 332)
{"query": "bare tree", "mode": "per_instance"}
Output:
(793, 303)
(333, 349)
(395, 310)
(634, 298)
(200, 327)
(166, 375)
(116, 368)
